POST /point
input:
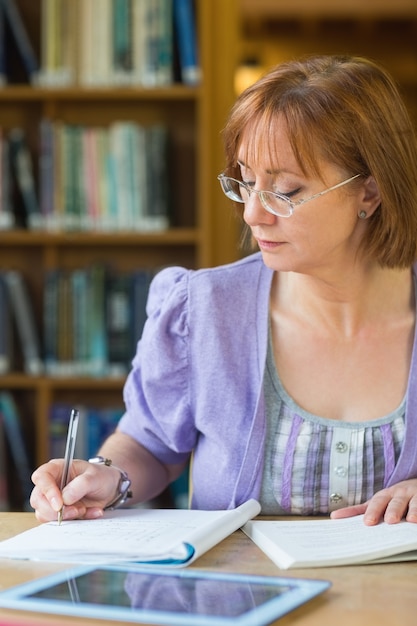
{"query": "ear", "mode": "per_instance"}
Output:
(370, 198)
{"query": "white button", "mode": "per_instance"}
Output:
(341, 446)
(340, 471)
(336, 498)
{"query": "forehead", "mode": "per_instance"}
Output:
(267, 142)
(265, 146)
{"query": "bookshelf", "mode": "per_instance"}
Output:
(203, 229)
(273, 31)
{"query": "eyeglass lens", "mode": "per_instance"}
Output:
(239, 192)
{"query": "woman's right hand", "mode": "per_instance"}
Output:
(91, 487)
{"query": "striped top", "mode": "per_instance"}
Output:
(314, 465)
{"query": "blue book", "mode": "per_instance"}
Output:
(186, 40)
(27, 53)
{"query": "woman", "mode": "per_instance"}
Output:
(289, 375)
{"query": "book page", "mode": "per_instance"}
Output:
(318, 543)
(145, 535)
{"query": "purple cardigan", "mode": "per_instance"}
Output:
(196, 382)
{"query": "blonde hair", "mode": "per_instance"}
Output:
(349, 112)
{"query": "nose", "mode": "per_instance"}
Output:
(254, 212)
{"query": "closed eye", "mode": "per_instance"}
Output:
(289, 194)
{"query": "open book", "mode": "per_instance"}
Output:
(156, 536)
(325, 543)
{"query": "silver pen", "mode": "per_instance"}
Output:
(69, 453)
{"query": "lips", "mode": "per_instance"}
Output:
(266, 244)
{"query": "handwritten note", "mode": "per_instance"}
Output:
(142, 535)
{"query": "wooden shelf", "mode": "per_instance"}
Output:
(22, 93)
(171, 237)
(300, 9)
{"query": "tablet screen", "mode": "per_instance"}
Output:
(153, 592)
(165, 596)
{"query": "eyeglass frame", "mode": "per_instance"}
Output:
(292, 204)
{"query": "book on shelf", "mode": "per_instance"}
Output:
(141, 280)
(3, 73)
(168, 537)
(59, 41)
(4, 487)
(328, 543)
(6, 352)
(122, 41)
(186, 41)
(12, 20)
(24, 321)
(157, 207)
(117, 43)
(23, 175)
(15, 444)
(46, 165)
(7, 215)
(119, 324)
(92, 319)
(108, 179)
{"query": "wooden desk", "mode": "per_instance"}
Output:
(366, 595)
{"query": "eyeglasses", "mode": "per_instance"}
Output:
(276, 203)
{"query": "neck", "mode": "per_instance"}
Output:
(348, 302)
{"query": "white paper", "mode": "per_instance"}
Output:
(319, 543)
(129, 535)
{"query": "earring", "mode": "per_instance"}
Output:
(362, 215)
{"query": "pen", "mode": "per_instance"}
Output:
(69, 453)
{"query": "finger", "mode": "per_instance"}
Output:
(43, 510)
(397, 508)
(349, 511)
(412, 511)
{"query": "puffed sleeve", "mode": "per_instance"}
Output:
(157, 390)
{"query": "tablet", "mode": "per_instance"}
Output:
(163, 596)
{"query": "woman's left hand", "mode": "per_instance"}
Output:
(390, 505)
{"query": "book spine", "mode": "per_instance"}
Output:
(65, 328)
(16, 444)
(122, 42)
(118, 323)
(21, 161)
(151, 44)
(101, 40)
(7, 217)
(25, 322)
(165, 74)
(98, 352)
(138, 40)
(86, 27)
(46, 166)
(3, 73)
(50, 320)
(5, 329)
(24, 45)
(186, 39)
(141, 281)
(80, 315)
(157, 178)
(4, 488)
(48, 74)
